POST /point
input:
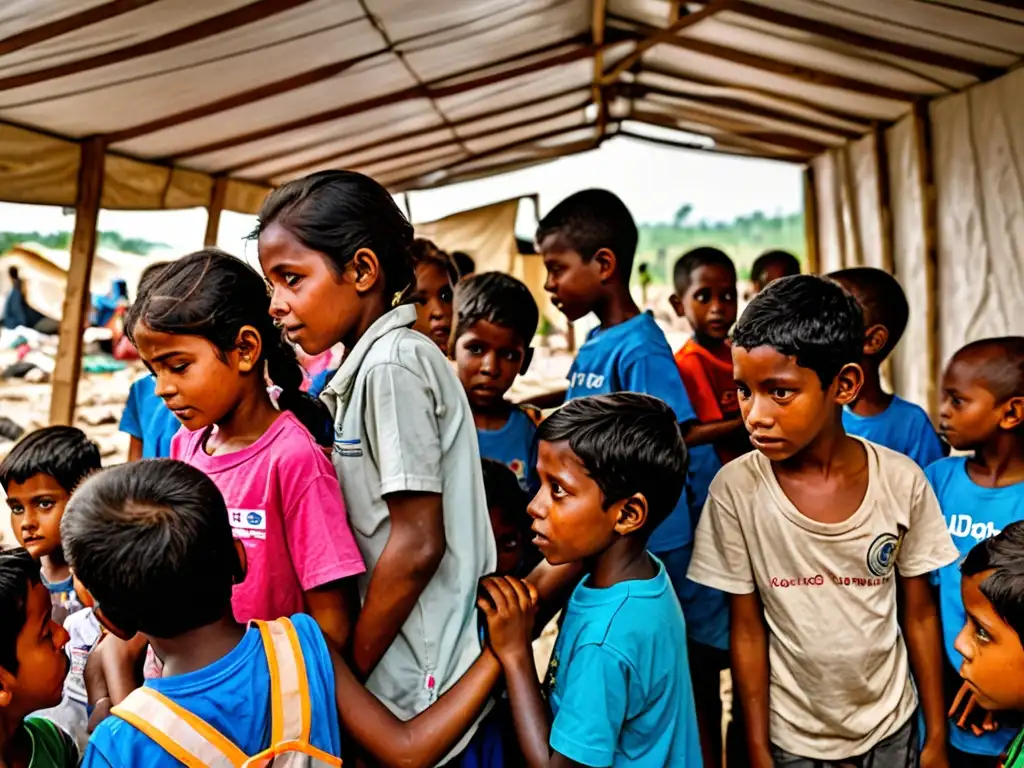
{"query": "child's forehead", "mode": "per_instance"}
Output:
(557, 246)
(494, 332)
(712, 274)
(34, 485)
(767, 362)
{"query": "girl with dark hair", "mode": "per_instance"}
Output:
(203, 329)
(436, 276)
(335, 249)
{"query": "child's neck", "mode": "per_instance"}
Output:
(872, 399)
(999, 462)
(625, 560)
(717, 347)
(54, 567)
(246, 423)
(616, 307)
(15, 743)
(373, 309)
(199, 648)
(492, 418)
(831, 448)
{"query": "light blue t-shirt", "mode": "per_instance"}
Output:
(904, 427)
(233, 696)
(148, 419)
(619, 683)
(973, 514)
(513, 446)
(635, 357)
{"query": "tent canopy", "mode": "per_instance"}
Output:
(428, 92)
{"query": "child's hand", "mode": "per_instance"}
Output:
(509, 605)
(972, 716)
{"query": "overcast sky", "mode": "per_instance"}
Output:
(654, 181)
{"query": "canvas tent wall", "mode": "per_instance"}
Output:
(177, 103)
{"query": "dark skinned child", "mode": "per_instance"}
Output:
(33, 667)
(990, 641)
(611, 466)
(982, 412)
(771, 266)
(153, 544)
(495, 320)
(705, 294)
(815, 535)
(877, 415)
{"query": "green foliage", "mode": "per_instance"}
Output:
(62, 241)
(743, 239)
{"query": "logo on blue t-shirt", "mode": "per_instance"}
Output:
(962, 526)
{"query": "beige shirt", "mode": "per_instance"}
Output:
(402, 423)
(839, 673)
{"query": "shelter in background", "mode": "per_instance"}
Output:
(901, 110)
(488, 235)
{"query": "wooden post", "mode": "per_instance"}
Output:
(929, 217)
(68, 365)
(811, 222)
(885, 228)
(214, 210)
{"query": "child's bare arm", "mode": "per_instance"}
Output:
(96, 687)
(695, 433)
(410, 558)
(923, 631)
(334, 607)
(134, 449)
(748, 639)
(423, 740)
(554, 584)
(120, 658)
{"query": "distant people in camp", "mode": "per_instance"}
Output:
(19, 313)
(105, 307)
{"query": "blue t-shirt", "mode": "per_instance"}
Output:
(319, 382)
(512, 445)
(974, 514)
(634, 357)
(903, 427)
(233, 696)
(620, 693)
(148, 419)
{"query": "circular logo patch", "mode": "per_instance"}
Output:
(882, 554)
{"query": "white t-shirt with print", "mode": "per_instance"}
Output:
(403, 423)
(839, 672)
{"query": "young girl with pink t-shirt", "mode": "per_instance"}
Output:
(204, 331)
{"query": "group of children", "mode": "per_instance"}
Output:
(353, 575)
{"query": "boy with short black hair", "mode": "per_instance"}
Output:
(152, 543)
(32, 668)
(705, 294)
(496, 318)
(876, 415)
(611, 468)
(771, 266)
(991, 640)
(38, 476)
(811, 534)
(982, 412)
(588, 242)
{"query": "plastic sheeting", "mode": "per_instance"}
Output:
(978, 139)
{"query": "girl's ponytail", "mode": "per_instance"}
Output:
(284, 371)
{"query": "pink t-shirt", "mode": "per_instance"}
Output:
(285, 506)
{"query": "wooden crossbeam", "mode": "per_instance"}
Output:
(869, 42)
(238, 17)
(750, 133)
(70, 23)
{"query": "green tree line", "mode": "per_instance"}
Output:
(62, 241)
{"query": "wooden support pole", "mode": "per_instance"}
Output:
(885, 231)
(214, 210)
(929, 218)
(811, 222)
(68, 366)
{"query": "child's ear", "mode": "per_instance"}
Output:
(632, 515)
(606, 262)
(677, 304)
(527, 359)
(848, 382)
(243, 562)
(7, 681)
(365, 267)
(1013, 414)
(875, 339)
(248, 347)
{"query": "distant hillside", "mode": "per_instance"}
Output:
(743, 239)
(62, 240)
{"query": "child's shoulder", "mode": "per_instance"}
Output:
(741, 476)
(292, 445)
(532, 413)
